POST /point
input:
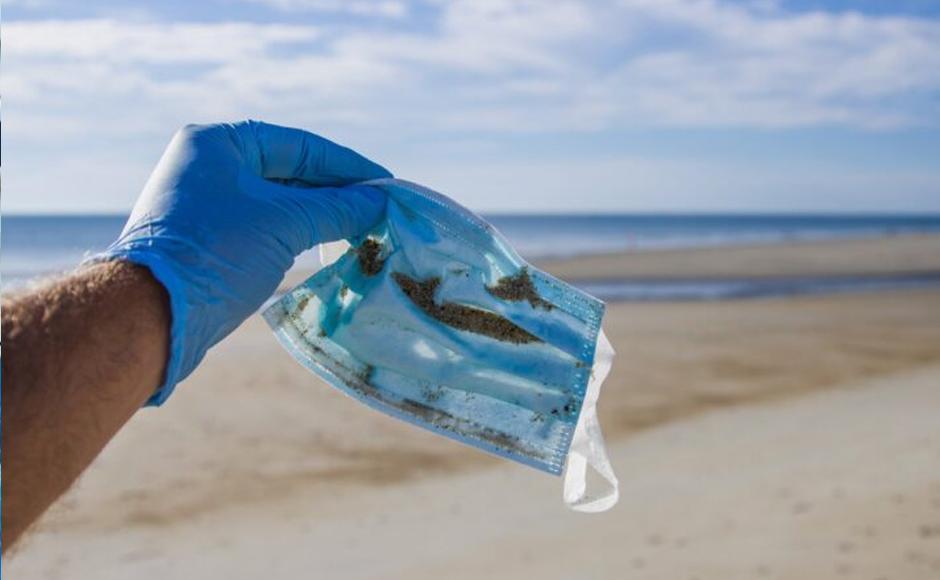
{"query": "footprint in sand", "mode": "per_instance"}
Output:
(929, 530)
(846, 547)
(801, 507)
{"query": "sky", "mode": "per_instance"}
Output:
(547, 106)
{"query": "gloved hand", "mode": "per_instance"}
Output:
(219, 235)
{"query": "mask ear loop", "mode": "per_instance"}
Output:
(587, 444)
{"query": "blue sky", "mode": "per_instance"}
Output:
(632, 105)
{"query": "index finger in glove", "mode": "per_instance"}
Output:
(285, 153)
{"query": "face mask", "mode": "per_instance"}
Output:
(433, 318)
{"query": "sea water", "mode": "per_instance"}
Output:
(32, 246)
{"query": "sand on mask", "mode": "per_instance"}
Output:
(519, 287)
(460, 316)
(369, 253)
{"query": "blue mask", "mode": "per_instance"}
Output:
(434, 319)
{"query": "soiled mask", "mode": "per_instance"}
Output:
(433, 318)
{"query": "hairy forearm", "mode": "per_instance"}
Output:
(81, 355)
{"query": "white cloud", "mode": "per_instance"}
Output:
(485, 67)
(770, 69)
(126, 43)
(29, 4)
(509, 66)
(383, 8)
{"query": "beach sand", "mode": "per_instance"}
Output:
(785, 438)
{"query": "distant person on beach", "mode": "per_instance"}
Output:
(219, 222)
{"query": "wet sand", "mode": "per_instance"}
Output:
(786, 438)
(897, 255)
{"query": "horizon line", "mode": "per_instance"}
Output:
(552, 213)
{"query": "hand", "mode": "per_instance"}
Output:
(219, 234)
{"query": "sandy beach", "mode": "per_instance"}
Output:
(777, 438)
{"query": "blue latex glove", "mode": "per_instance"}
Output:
(219, 235)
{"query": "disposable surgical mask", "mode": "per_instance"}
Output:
(433, 318)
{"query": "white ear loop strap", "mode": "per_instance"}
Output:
(587, 445)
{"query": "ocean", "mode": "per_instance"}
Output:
(32, 246)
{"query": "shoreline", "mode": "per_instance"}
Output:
(865, 256)
(897, 254)
(884, 258)
(673, 289)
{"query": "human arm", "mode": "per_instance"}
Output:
(216, 227)
(81, 355)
